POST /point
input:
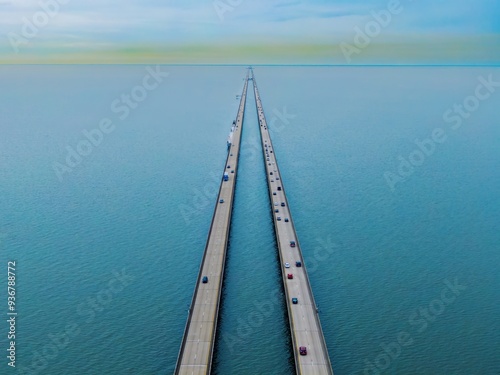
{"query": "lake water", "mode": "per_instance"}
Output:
(403, 257)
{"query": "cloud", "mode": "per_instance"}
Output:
(178, 22)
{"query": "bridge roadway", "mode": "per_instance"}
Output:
(195, 354)
(305, 326)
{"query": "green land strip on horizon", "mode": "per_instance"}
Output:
(430, 51)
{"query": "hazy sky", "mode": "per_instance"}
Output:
(80, 25)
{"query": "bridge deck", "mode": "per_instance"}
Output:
(195, 355)
(304, 321)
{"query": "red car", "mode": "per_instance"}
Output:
(290, 276)
(303, 350)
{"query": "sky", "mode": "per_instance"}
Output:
(249, 31)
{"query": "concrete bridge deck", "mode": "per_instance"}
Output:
(305, 326)
(195, 355)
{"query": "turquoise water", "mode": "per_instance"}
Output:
(141, 203)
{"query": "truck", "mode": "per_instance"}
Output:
(226, 176)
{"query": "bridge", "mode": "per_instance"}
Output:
(195, 355)
(305, 326)
(309, 347)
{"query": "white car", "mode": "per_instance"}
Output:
(287, 265)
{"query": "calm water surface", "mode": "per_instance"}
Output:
(107, 258)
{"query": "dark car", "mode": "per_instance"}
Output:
(279, 188)
(271, 173)
(232, 171)
(204, 280)
(221, 201)
(278, 218)
(276, 210)
(286, 220)
(303, 350)
(282, 204)
(274, 193)
(298, 264)
(295, 301)
(292, 243)
(228, 166)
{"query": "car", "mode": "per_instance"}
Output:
(272, 180)
(292, 243)
(276, 210)
(282, 204)
(232, 171)
(275, 203)
(274, 193)
(204, 280)
(269, 164)
(271, 151)
(303, 350)
(278, 218)
(295, 301)
(277, 178)
(230, 154)
(221, 201)
(290, 276)
(271, 173)
(286, 220)
(298, 263)
(279, 188)
(287, 265)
